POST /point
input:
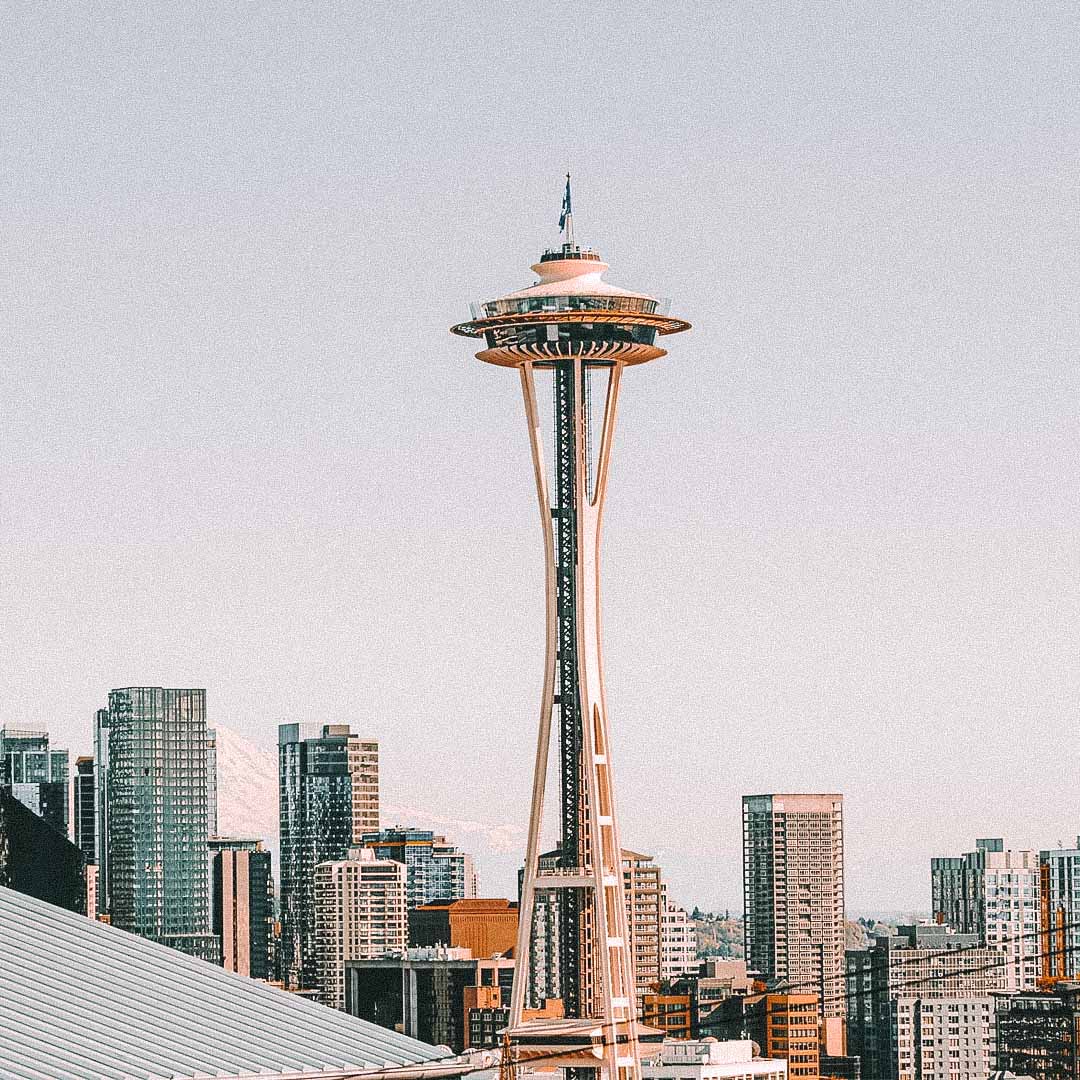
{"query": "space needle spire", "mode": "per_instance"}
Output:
(566, 218)
(570, 335)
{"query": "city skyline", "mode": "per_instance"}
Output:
(232, 466)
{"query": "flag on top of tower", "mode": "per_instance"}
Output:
(565, 204)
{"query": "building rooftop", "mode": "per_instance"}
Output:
(80, 1000)
(466, 905)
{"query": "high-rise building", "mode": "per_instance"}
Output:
(35, 774)
(101, 806)
(901, 994)
(437, 870)
(545, 974)
(156, 789)
(320, 768)
(360, 914)
(1038, 1034)
(569, 337)
(211, 782)
(364, 770)
(644, 892)
(37, 860)
(793, 890)
(995, 894)
(1059, 912)
(678, 944)
(84, 805)
(242, 904)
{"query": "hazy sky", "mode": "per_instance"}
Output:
(241, 451)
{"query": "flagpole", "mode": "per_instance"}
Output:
(569, 215)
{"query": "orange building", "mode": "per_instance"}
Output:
(486, 1017)
(792, 1031)
(669, 1012)
(785, 1026)
(487, 927)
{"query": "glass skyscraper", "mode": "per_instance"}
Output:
(437, 870)
(36, 775)
(157, 817)
(328, 791)
(85, 809)
(211, 782)
(101, 808)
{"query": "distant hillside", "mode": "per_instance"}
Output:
(722, 935)
(718, 935)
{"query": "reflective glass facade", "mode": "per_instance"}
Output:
(85, 808)
(157, 816)
(327, 790)
(211, 782)
(36, 775)
(101, 807)
(436, 869)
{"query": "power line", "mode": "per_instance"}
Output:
(843, 998)
(934, 955)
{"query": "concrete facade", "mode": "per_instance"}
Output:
(995, 894)
(360, 914)
(793, 890)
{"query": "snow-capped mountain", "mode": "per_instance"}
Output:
(248, 806)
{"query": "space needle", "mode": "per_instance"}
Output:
(570, 335)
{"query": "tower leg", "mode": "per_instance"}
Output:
(596, 955)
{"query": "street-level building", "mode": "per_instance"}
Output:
(995, 894)
(709, 1059)
(360, 914)
(670, 1011)
(786, 1026)
(424, 992)
(716, 980)
(943, 1038)
(793, 890)
(1038, 1033)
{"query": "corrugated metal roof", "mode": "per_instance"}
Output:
(80, 1000)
